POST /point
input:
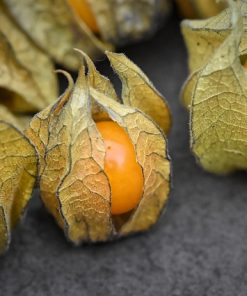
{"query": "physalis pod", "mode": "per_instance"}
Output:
(91, 25)
(202, 39)
(18, 170)
(217, 98)
(74, 185)
(27, 79)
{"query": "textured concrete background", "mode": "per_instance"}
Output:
(198, 248)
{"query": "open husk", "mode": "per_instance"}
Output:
(74, 187)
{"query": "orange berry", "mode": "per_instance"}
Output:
(84, 11)
(123, 171)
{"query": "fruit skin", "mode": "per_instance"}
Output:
(83, 10)
(124, 173)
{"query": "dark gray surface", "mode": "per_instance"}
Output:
(198, 248)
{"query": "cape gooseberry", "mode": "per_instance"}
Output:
(124, 173)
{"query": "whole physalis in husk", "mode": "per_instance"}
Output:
(216, 90)
(18, 170)
(103, 165)
(58, 26)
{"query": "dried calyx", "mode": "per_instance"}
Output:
(24, 86)
(75, 185)
(215, 92)
(18, 170)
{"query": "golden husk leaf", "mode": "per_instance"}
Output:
(27, 81)
(219, 107)
(74, 186)
(203, 37)
(100, 83)
(18, 169)
(139, 92)
(54, 27)
(123, 21)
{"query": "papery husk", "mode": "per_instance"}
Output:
(27, 79)
(202, 39)
(100, 83)
(74, 186)
(139, 92)
(18, 169)
(54, 27)
(219, 107)
(57, 29)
